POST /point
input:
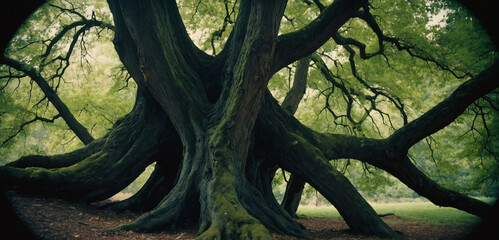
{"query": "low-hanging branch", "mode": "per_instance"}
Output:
(52, 96)
(390, 154)
(445, 112)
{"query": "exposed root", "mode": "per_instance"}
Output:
(128, 149)
(173, 210)
(60, 160)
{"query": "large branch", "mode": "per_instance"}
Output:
(80, 131)
(152, 44)
(296, 45)
(444, 113)
(374, 152)
(295, 94)
(390, 154)
(379, 152)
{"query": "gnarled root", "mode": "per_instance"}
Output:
(128, 149)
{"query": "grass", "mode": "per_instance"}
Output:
(417, 210)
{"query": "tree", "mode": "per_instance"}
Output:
(217, 135)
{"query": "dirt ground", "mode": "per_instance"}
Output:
(51, 219)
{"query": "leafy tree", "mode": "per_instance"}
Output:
(206, 112)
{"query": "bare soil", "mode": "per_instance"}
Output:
(49, 219)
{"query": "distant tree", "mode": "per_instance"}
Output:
(217, 134)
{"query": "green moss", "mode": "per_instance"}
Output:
(229, 218)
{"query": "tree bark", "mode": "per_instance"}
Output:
(215, 145)
(295, 94)
(292, 195)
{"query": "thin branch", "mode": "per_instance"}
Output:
(227, 20)
(366, 15)
(21, 127)
(85, 24)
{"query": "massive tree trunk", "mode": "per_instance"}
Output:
(217, 135)
(216, 128)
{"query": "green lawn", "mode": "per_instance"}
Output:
(419, 210)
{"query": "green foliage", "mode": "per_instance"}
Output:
(93, 84)
(464, 155)
(209, 22)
